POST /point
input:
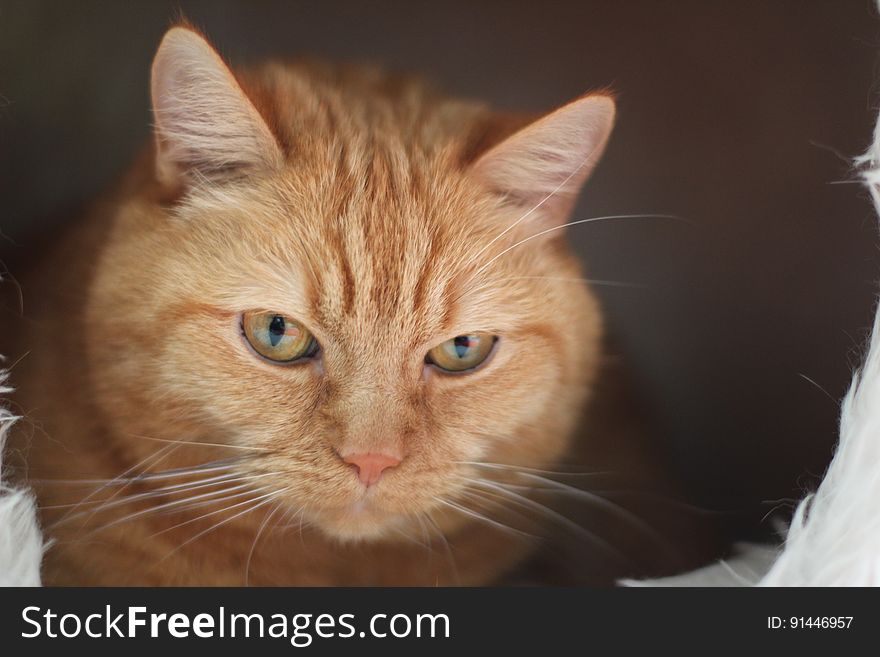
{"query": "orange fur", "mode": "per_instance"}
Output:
(367, 207)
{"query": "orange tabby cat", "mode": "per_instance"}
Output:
(326, 325)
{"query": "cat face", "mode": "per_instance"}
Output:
(351, 297)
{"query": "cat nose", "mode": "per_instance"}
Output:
(370, 466)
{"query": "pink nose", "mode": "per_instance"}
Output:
(371, 466)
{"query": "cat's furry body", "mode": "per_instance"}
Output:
(387, 218)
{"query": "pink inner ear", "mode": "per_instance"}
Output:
(548, 161)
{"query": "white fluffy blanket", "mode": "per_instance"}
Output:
(21, 543)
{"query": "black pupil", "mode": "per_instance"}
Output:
(276, 330)
(462, 344)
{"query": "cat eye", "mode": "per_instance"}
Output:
(463, 352)
(278, 337)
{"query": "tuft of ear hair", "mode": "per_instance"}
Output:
(542, 167)
(205, 125)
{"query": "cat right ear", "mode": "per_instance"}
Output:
(206, 128)
(541, 168)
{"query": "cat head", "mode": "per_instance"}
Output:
(357, 282)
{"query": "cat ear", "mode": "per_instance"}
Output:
(542, 167)
(205, 125)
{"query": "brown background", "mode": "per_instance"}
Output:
(739, 116)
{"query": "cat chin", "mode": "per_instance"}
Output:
(358, 524)
(356, 534)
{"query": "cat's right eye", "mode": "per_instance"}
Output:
(462, 353)
(278, 337)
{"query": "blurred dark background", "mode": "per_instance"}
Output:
(740, 117)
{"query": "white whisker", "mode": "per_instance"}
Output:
(189, 521)
(200, 443)
(478, 516)
(589, 281)
(526, 502)
(148, 462)
(519, 468)
(247, 565)
(173, 504)
(270, 497)
(577, 222)
(163, 491)
(601, 502)
(450, 557)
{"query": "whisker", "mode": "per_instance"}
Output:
(589, 281)
(671, 501)
(450, 557)
(406, 535)
(302, 523)
(743, 581)
(604, 503)
(286, 519)
(168, 505)
(164, 490)
(479, 516)
(820, 388)
(189, 506)
(525, 469)
(485, 498)
(106, 502)
(189, 521)
(577, 222)
(426, 537)
(428, 542)
(200, 443)
(247, 565)
(148, 462)
(270, 496)
(212, 466)
(526, 502)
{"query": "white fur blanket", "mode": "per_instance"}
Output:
(21, 544)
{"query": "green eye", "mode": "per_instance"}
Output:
(278, 337)
(463, 352)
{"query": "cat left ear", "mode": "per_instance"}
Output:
(541, 168)
(205, 125)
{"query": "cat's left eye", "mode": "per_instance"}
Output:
(463, 352)
(277, 337)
